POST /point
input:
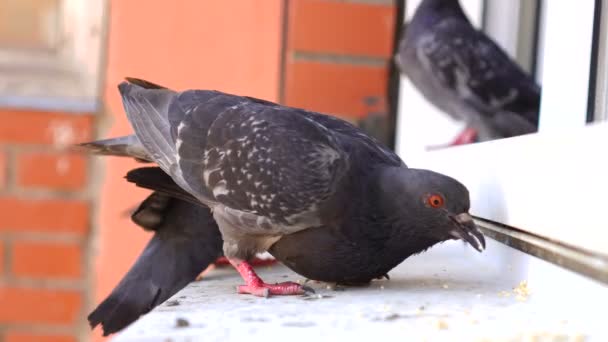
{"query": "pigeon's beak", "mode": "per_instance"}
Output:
(465, 229)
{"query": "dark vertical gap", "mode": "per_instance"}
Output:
(484, 15)
(535, 41)
(595, 44)
(283, 51)
(394, 76)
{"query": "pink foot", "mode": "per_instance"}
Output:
(257, 287)
(280, 289)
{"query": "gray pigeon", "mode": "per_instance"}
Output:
(315, 191)
(466, 75)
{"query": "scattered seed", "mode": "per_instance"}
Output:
(182, 323)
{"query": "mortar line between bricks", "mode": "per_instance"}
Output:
(51, 194)
(284, 52)
(371, 2)
(4, 168)
(8, 257)
(37, 328)
(379, 62)
(44, 149)
(10, 169)
(76, 284)
(52, 237)
(45, 195)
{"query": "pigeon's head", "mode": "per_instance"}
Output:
(432, 12)
(440, 4)
(429, 203)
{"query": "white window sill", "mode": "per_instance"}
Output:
(460, 290)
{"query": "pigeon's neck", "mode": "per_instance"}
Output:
(405, 241)
(405, 228)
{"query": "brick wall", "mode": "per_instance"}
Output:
(336, 56)
(45, 215)
(335, 61)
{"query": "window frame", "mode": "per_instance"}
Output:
(550, 184)
(66, 77)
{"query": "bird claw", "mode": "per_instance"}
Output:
(308, 291)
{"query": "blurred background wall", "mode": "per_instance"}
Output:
(65, 233)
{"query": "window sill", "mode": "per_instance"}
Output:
(448, 293)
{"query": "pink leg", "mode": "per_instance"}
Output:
(221, 261)
(467, 136)
(257, 287)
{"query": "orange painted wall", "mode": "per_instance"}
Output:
(229, 45)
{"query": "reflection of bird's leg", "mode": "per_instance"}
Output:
(467, 136)
(257, 287)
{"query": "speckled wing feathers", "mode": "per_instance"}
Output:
(266, 167)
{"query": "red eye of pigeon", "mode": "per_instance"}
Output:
(435, 201)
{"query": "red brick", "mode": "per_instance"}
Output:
(47, 128)
(69, 216)
(22, 336)
(28, 305)
(47, 260)
(340, 89)
(55, 171)
(341, 27)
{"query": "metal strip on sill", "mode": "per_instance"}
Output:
(594, 266)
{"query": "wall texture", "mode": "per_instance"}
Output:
(336, 58)
(45, 225)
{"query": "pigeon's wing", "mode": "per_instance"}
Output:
(375, 152)
(185, 242)
(465, 60)
(268, 166)
(159, 115)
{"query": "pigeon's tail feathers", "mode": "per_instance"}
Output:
(147, 107)
(144, 83)
(156, 179)
(127, 146)
(150, 213)
(187, 242)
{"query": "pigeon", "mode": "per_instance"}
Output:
(466, 75)
(186, 240)
(317, 193)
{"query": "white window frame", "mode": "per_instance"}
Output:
(68, 77)
(552, 184)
